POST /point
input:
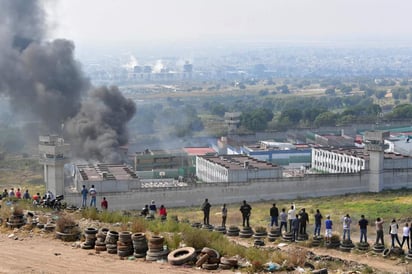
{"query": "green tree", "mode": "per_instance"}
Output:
(326, 119)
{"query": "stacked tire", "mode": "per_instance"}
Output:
(156, 250)
(207, 227)
(125, 244)
(246, 232)
(100, 244)
(346, 245)
(287, 236)
(196, 225)
(408, 256)
(111, 242)
(378, 248)
(316, 241)
(260, 235)
(228, 263)
(362, 246)
(302, 237)
(208, 259)
(333, 243)
(140, 245)
(181, 256)
(233, 231)
(90, 235)
(273, 234)
(220, 229)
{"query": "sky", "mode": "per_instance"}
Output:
(134, 21)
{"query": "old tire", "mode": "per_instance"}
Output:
(181, 255)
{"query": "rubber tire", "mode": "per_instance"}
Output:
(203, 259)
(181, 255)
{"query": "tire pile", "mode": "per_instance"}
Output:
(90, 235)
(207, 227)
(220, 229)
(100, 244)
(228, 263)
(334, 243)
(316, 241)
(208, 259)
(233, 231)
(156, 250)
(246, 232)
(16, 221)
(196, 225)
(273, 234)
(302, 237)
(140, 245)
(287, 236)
(125, 244)
(378, 248)
(111, 242)
(408, 256)
(259, 237)
(362, 246)
(346, 245)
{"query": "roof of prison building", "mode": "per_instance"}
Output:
(155, 152)
(239, 162)
(99, 172)
(192, 151)
(363, 154)
(274, 146)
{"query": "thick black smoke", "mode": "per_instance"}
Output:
(42, 79)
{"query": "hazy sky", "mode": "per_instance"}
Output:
(137, 21)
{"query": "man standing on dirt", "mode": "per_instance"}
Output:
(379, 231)
(84, 193)
(346, 227)
(93, 194)
(291, 215)
(363, 226)
(224, 215)
(206, 211)
(303, 220)
(283, 220)
(245, 209)
(318, 223)
(274, 214)
(295, 227)
(328, 228)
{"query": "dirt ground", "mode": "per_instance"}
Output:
(44, 254)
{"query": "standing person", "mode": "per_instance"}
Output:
(283, 220)
(11, 193)
(104, 204)
(379, 231)
(224, 215)
(5, 193)
(318, 223)
(145, 211)
(328, 228)
(295, 227)
(291, 215)
(26, 195)
(405, 234)
(206, 211)
(84, 193)
(303, 220)
(346, 227)
(393, 231)
(93, 194)
(18, 194)
(246, 210)
(363, 226)
(162, 212)
(152, 208)
(274, 214)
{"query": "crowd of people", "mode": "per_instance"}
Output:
(15, 194)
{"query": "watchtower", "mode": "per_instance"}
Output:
(375, 145)
(53, 155)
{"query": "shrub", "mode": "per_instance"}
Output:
(65, 222)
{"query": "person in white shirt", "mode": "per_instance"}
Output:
(405, 234)
(346, 227)
(393, 230)
(291, 215)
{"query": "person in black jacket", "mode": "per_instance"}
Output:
(303, 220)
(274, 214)
(245, 209)
(206, 211)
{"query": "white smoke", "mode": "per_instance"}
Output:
(158, 66)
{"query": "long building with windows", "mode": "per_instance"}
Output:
(339, 160)
(234, 168)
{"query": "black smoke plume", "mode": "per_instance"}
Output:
(42, 79)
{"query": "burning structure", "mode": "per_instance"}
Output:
(43, 80)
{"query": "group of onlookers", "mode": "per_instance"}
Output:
(15, 194)
(245, 210)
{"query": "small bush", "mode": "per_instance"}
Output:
(138, 225)
(65, 222)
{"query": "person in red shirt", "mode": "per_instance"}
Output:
(104, 204)
(162, 212)
(18, 194)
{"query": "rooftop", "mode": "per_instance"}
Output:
(195, 151)
(239, 162)
(363, 154)
(99, 172)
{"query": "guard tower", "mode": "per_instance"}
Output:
(232, 120)
(53, 155)
(375, 145)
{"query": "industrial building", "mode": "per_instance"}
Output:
(234, 168)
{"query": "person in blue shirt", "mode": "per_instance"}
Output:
(84, 193)
(328, 228)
